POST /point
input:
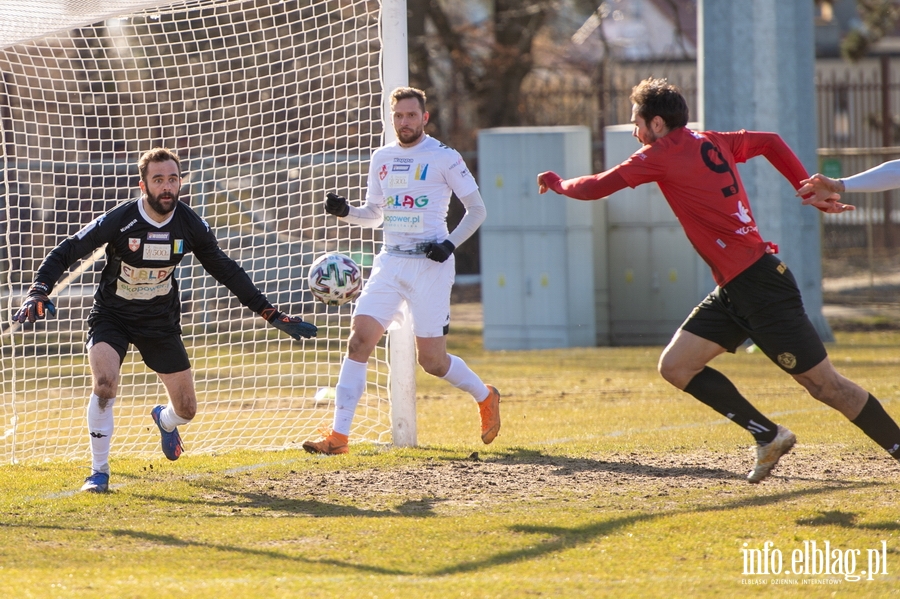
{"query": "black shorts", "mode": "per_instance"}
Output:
(164, 354)
(763, 304)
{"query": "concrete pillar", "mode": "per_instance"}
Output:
(756, 69)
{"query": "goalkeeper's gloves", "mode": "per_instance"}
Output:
(439, 252)
(36, 305)
(336, 205)
(292, 325)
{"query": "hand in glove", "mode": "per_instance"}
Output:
(439, 252)
(292, 325)
(336, 205)
(36, 305)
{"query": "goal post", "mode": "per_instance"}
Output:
(269, 104)
(401, 341)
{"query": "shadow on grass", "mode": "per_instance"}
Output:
(846, 520)
(555, 539)
(568, 465)
(170, 540)
(564, 538)
(234, 500)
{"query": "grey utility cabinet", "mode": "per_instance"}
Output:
(537, 251)
(655, 276)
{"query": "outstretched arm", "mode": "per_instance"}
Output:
(231, 275)
(822, 192)
(780, 155)
(591, 187)
(37, 303)
(883, 177)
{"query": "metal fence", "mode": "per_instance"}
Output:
(858, 122)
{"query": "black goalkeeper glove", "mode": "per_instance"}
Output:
(292, 325)
(36, 305)
(439, 252)
(336, 205)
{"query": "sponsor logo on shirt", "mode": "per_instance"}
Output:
(157, 251)
(397, 201)
(143, 292)
(398, 181)
(400, 168)
(398, 221)
(421, 172)
(135, 276)
(743, 213)
(134, 244)
(158, 236)
(178, 246)
(128, 226)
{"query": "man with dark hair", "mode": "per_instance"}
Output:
(137, 301)
(756, 295)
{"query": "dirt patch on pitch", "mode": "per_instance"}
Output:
(533, 476)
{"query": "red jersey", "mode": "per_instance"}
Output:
(697, 174)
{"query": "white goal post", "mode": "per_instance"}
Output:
(269, 104)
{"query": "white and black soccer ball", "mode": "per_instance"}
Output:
(335, 279)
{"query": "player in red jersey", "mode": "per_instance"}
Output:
(756, 296)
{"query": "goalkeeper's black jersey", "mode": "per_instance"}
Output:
(137, 285)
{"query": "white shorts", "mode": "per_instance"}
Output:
(422, 284)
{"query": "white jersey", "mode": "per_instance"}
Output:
(880, 178)
(412, 188)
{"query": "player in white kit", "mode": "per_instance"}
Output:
(410, 184)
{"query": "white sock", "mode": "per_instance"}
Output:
(100, 426)
(350, 387)
(170, 420)
(461, 376)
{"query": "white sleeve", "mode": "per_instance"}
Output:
(475, 215)
(881, 178)
(368, 215)
(371, 214)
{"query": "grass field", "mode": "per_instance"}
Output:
(604, 482)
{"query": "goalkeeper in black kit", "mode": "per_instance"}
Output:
(137, 301)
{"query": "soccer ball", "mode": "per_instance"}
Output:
(335, 279)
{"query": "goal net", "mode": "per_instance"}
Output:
(269, 104)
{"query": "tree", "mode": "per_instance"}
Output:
(483, 64)
(879, 18)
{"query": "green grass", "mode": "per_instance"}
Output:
(604, 481)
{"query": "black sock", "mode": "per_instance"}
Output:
(880, 427)
(715, 390)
